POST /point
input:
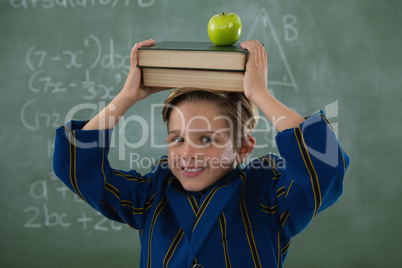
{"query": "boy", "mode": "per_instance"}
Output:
(199, 207)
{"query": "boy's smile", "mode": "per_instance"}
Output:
(201, 150)
(192, 172)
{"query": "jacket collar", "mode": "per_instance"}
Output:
(198, 215)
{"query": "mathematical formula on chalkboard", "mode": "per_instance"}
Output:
(51, 190)
(87, 58)
(50, 4)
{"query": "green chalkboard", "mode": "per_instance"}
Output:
(63, 59)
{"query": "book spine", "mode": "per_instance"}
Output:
(198, 69)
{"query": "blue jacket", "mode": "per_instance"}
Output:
(244, 220)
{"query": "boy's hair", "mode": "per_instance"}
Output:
(242, 112)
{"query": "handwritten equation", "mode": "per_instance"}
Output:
(50, 4)
(41, 62)
(50, 190)
(94, 71)
(37, 58)
(40, 82)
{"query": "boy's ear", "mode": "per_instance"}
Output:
(244, 151)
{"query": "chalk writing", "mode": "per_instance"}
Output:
(50, 4)
(265, 31)
(93, 89)
(43, 216)
(102, 224)
(46, 66)
(33, 120)
(50, 149)
(91, 52)
(40, 82)
(291, 32)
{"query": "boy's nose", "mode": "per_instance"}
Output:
(189, 150)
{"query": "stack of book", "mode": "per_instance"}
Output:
(193, 64)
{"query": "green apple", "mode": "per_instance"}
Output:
(224, 29)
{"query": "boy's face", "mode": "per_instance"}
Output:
(201, 149)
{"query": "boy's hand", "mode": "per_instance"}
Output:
(255, 78)
(133, 89)
(130, 94)
(256, 89)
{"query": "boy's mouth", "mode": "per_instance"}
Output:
(191, 171)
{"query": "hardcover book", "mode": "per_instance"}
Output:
(209, 79)
(193, 64)
(193, 55)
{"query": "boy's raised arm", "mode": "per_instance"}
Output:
(256, 89)
(132, 92)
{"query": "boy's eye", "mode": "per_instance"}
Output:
(177, 139)
(207, 139)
